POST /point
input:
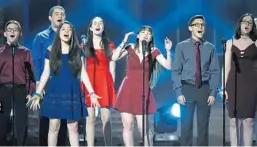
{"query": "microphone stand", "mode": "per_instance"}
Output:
(223, 94)
(13, 98)
(143, 94)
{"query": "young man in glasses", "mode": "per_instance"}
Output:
(196, 76)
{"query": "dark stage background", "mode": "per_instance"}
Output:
(167, 17)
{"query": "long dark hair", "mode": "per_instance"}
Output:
(153, 64)
(89, 48)
(252, 34)
(74, 53)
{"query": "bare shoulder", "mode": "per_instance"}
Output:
(255, 43)
(229, 42)
(155, 49)
(132, 45)
(229, 45)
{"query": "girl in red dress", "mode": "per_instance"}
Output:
(129, 99)
(101, 72)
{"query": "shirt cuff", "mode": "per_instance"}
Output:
(179, 92)
(214, 92)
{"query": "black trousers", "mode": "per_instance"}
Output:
(44, 128)
(20, 113)
(195, 99)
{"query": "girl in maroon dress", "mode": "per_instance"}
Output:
(129, 99)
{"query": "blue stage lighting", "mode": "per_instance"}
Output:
(175, 110)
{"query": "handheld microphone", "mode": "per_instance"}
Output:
(84, 39)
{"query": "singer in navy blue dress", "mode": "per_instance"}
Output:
(63, 99)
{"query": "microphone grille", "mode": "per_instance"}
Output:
(144, 42)
(83, 36)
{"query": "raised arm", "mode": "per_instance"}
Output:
(120, 52)
(161, 59)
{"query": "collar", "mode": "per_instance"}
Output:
(194, 41)
(8, 45)
(50, 30)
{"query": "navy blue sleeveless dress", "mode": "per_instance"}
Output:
(63, 99)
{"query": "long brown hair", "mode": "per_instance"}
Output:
(74, 53)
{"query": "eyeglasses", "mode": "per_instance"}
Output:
(247, 22)
(198, 25)
(12, 30)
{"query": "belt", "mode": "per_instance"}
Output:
(183, 82)
(7, 85)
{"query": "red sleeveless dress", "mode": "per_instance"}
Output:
(100, 78)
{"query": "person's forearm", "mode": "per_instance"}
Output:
(117, 52)
(86, 81)
(169, 60)
(37, 67)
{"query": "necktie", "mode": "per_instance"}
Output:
(197, 65)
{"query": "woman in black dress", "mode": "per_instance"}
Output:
(241, 80)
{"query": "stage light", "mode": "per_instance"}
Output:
(175, 110)
(166, 124)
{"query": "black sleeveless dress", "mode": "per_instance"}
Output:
(242, 82)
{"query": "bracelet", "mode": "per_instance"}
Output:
(39, 96)
(91, 93)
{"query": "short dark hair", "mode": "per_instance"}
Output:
(194, 18)
(55, 7)
(13, 22)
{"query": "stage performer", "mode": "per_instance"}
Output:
(63, 70)
(39, 48)
(101, 72)
(16, 66)
(240, 79)
(129, 98)
(196, 76)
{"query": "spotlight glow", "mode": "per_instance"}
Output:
(175, 110)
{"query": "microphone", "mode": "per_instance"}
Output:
(224, 41)
(84, 39)
(144, 43)
(13, 46)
